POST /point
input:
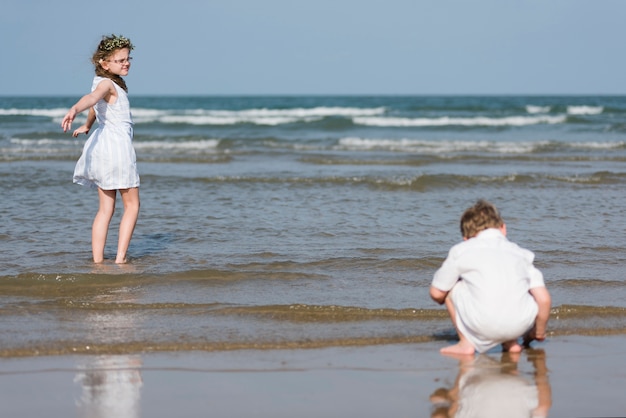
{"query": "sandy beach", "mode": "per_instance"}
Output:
(571, 376)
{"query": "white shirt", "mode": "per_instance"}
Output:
(489, 278)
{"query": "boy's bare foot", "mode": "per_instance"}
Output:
(461, 348)
(511, 346)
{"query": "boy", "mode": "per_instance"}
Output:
(493, 292)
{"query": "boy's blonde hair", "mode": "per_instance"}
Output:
(481, 216)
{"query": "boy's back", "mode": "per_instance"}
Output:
(492, 297)
(491, 288)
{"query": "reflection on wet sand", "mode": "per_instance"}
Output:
(111, 384)
(486, 388)
(111, 387)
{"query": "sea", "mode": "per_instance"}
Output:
(296, 222)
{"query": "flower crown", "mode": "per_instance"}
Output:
(115, 42)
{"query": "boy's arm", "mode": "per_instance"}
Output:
(438, 295)
(544, 302)
(445, 278)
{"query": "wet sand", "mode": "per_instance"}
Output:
(570, 376)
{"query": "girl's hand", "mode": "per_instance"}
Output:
(81, 130)
(66, 124)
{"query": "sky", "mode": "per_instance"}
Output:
(320, 47)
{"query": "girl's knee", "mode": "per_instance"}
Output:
(106, 211)
(131, 207)
(130, 197)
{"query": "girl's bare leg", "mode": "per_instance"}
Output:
(130, 197)
(100, 227)
(463, 347)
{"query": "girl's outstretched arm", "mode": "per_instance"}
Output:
(104, 90)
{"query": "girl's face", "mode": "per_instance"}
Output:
(118, 62)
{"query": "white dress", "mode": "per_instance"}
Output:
(108, 160)
(489, 279)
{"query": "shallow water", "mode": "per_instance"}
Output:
(273, 222)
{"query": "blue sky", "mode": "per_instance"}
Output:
(238, 47)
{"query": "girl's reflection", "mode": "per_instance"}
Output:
(111, 387)
(111, 384)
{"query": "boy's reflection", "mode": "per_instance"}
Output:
(486, 388)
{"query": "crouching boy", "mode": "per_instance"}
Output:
(493, 292)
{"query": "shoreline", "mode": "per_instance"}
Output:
(583, 375)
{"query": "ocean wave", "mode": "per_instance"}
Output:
(42, 148)
(532, 109)
(182, 145)
(260, 116)
(423, 182)
(56, 113)
(455, 121)
(587, 283)
(584, 110)
(305, 313)
(420, 182)
(443, 147)
(603, 177)
(263, 327)
(586, 311)
(27, 143)
(439, 147)
(332, 313)
(598, 145)
(191, 146)
(231, 120)
(269, 117)
(367, 116)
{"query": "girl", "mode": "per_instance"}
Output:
(108, 160)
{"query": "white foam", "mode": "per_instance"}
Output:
(229, 120)
(42, 142)
(584, 110)
(202, 144)
(52, 113)
(197, 145)
(598, 145)
(448, 121)
(537, 109)
(439, 146)
(42, 146)
(260, 116)
(306, 112)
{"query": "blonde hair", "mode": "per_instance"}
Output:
(107, 46)
(483, 215)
